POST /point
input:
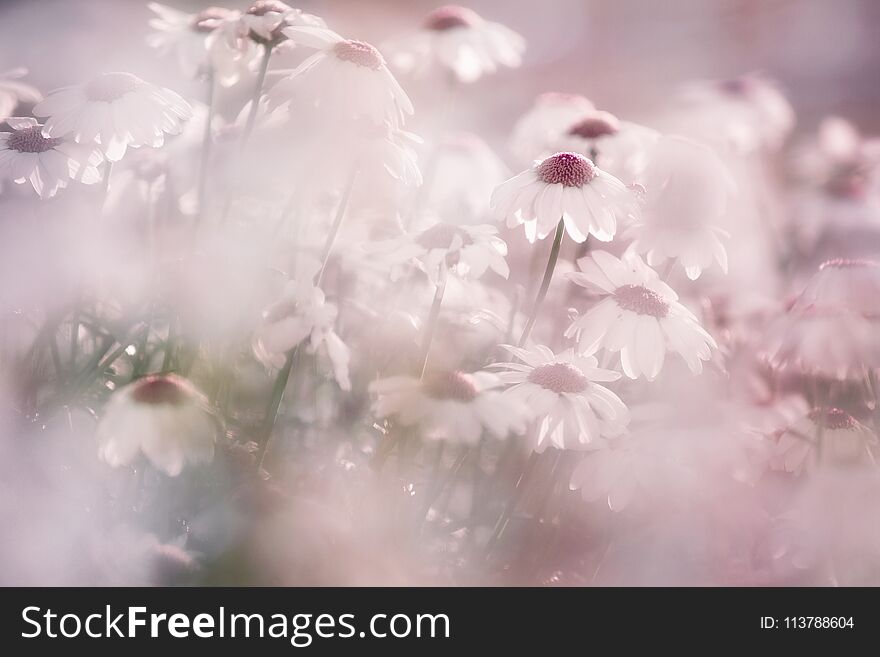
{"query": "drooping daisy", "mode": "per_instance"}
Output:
(13, 92)
(568, 187)
(116, 110)
(621, 147)
(302, 316)
(457, 39)
(265, 21)
(545, 122)
(851, 285)
(185, 36)
(345, 78)
(467, 251)
(48, 163)
(639, 316)
(454, 406)
(162, 416)
(824, 435)
(562, 393)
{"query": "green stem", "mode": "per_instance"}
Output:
(431, 324)
(274, 404)
(337, 223)
(545, 283)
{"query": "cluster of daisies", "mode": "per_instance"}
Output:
(666, 330)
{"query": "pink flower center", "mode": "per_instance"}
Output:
(208, 19)
(360, 53)
(455, 386)
(568, 169)
(160, 390)
(834, 418)
(451, 17)
(263, 7)
(594, 126)
(112, 86)
(737, 86)
(440, 236)
(641, 300)
(559, 377)
(31, 140)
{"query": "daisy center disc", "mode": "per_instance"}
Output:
(31, 140)
(159, 390)
(832, 418)
(455, 386)
(112, 86)
(440, 236)
(568, 169)
(451, 17)
(359, 53)
(641, 300)
(559, 377)
(593, 127)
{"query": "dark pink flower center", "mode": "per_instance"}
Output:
(440, 236)
(31, 140)
(455, 386)
(737, 86)
(160, 390)
(594, 126)
(568, 169)
(451, 17)
(641, 300)
(112, 86)
(360, 53)
(559, 377)
(832, 418)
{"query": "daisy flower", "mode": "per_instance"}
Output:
(302, 314)
(567, 187)
(454, 406)
(265, 21)
(13, 92)
(345, 77)
(116, 110)
(621, 146)
(845, 284)
(561, 392)
(185, 36)
(162, 416)
(639, 316)
(458, 40)
(467, 251)
(829, 435)
(551, 115)
(48, 163)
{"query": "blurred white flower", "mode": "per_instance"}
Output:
(344, 78)
(162, 416)
(458, 40)
(561, 392)
(621, 147)
(551, 115)
(844, 284)
(639, 316)
(823, 436)
(302, 314)
(185, 36)
(13, 92)
(565, 186)
(467, 251)
(48, 163)
(265, 20)
(116, 110)
(453, 406)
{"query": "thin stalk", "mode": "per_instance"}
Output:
(501, 525)
(337, 223)
(431, 324)
(255, 100)
(545, 282)
(207, 145)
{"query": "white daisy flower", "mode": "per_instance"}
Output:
(302, 314)
(185, 36)
(546, 121)
(621, 146)
(162, 416)
(824, 435)
(344, 78)
(467, 251)
(265, 21)
(565, 186)
(561, 392)
(457, 39)
(116, 110)
(454, 406)
(639, 316)
(13, 92)
(48, 163)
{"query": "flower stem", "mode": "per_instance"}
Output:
(337, 223)
(255, 100)
(271, 417)
(509, 508)
(545, 283)
(207, 144)
(431, 324)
